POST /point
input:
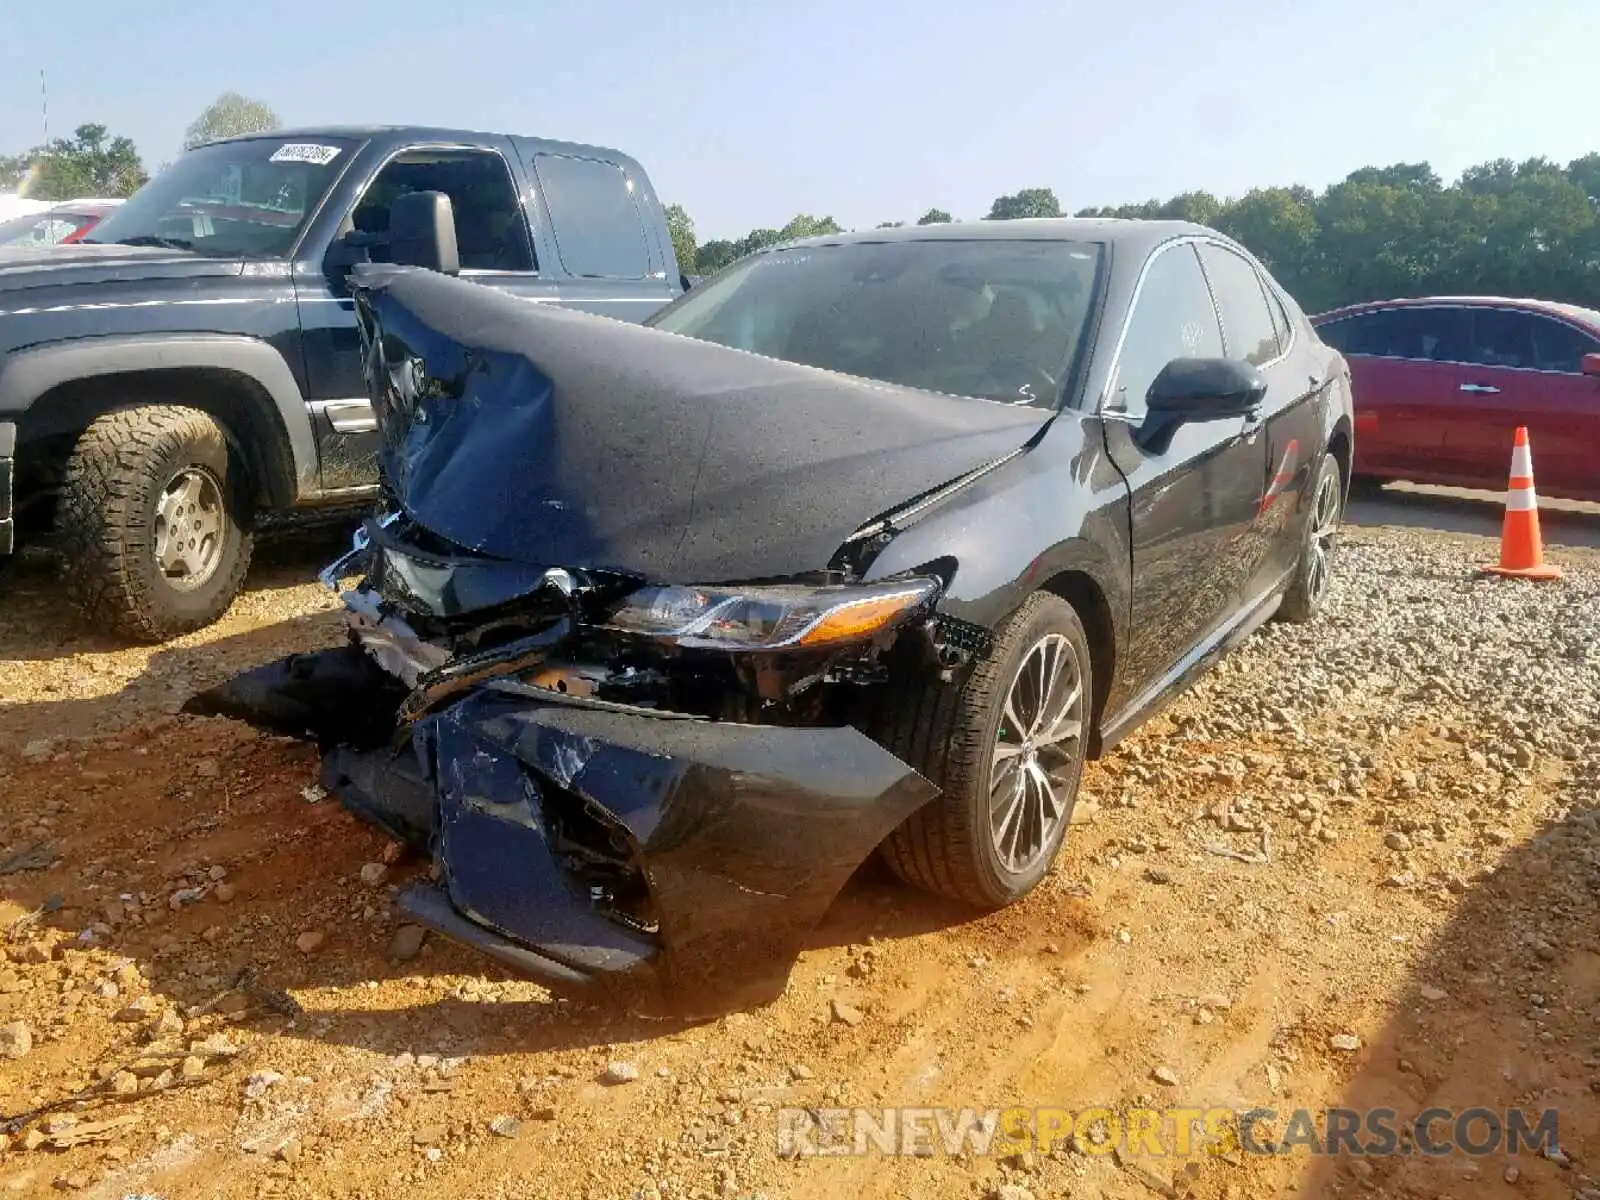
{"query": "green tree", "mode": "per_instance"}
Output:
(14, 168)
(1585, 172)
(1200, 207)
(804, 226)
(935, 216)
(1400, 175)
(230, 115)
(683, 245)
(713, 256)
(1280, 226)
(1029, 202)
(1522, 228)
(90, 163)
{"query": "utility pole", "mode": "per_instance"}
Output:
(44, 97)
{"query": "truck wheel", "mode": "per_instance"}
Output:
(1007, 750)
(1314, 572)
(154, 521)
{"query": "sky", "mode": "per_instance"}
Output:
(749, 112)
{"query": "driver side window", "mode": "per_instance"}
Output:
(1173, 317)
(491, 231)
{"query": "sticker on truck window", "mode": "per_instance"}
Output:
(305, 152)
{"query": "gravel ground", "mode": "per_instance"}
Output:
(1357, 866)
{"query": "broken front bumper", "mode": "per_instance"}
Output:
(730, 840)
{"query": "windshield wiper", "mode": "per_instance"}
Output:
(149, 239)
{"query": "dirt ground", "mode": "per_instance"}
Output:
(1429, 891)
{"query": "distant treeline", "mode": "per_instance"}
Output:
(1503, 228)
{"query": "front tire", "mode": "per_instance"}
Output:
(1007, 750)
(1313, 574)
(154, 522)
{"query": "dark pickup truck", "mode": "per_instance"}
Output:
(194, 367)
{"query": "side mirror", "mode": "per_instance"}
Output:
(352, 248)
(1206, 389)
(1591, 364)
(422, 232)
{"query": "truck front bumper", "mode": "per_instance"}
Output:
(8, 453)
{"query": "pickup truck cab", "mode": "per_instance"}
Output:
(193, 367)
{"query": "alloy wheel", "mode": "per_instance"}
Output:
(1324, 524)
(1036, 752)
(189, 528)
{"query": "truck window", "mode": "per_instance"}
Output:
(491, 232)
(597, 227)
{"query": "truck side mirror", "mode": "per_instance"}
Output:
(422, 232)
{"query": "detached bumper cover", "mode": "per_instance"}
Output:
(742, 835)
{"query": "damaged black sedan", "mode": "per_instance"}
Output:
(864, 545)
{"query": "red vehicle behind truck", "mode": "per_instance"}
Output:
(1441, 384)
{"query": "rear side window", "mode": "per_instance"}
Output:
(1172, 318)
(1246, 320)
(1422, 334)
(1280, 318)
(1560, 347)
(597, 227)
(1526, 341)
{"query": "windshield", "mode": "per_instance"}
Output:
(246, 198)
(1000, 319)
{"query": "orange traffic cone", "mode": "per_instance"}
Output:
(1521, 546)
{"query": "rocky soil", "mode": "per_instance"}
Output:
(1359, 866)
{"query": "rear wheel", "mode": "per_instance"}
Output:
(154, 521)
(1007, 750)
(1313, 574)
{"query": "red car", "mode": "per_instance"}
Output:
(1442, 383)
(61, 225)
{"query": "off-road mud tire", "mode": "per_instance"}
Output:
(106, 521)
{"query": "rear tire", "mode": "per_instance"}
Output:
(154, 522)
(1313, 574)
(965, 740)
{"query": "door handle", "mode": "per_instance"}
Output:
(1480, 389)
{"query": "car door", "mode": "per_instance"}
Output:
(1291, 435)
(1404, 373)
(495, 248)
(1525, 368)
(1195, 490)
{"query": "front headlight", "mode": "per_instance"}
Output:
(775, 617)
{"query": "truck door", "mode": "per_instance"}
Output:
(496, 248)
(591, 218)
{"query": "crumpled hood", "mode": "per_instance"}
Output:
(557, 438)
(26, 268)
